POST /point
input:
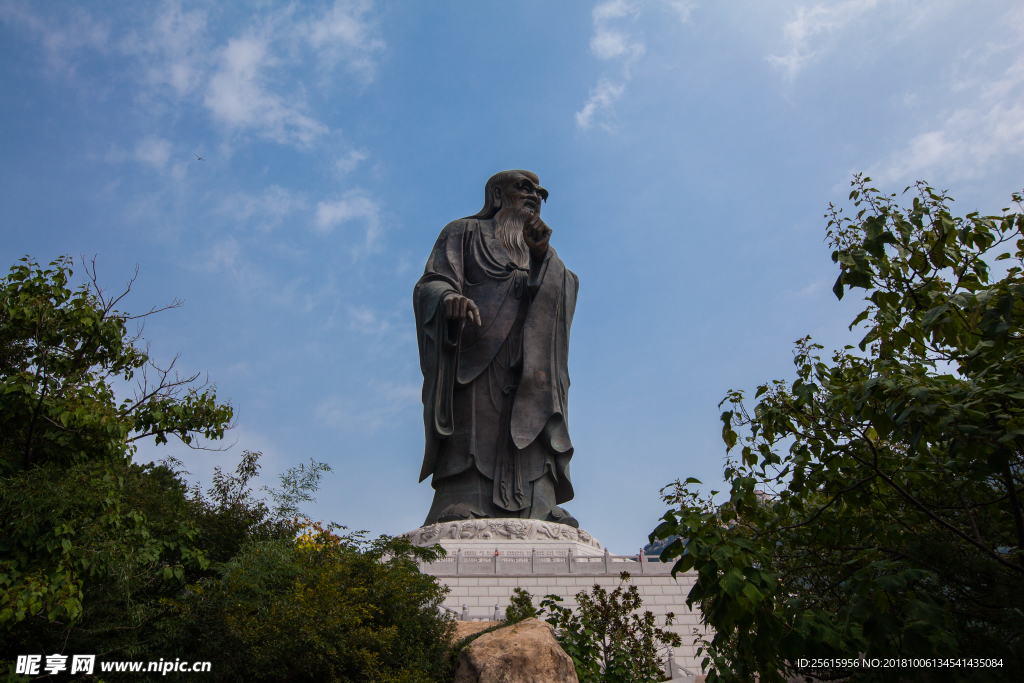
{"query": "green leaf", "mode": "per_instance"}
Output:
(837, 288)
(752, 594)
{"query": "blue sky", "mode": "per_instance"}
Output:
(690, 149)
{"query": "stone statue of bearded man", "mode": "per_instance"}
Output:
(493, 311)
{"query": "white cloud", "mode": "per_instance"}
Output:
(612, 9)
(246, 81)
(376, 408)
(972, 139)
(237, 96)
(250, 277)
(600, 102)
(368, 321)
(223, 254)
(807, 34)
(267, 210)
(684, 8)
(344, 34)
(174, 50)
(353, 206)
(179, 170)
(965, 146)
(610, 42)
(154, 151)
(245, 90)
(60, 42)
(348, 162)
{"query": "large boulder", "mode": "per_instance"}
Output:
(526, 652)
(465, 629)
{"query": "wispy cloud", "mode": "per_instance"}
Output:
(612, 42)
(348, 162)
(807, 33)
(376, 408)
(355, 205)
(245, 90)
(246, 81)
(600, 105)
(62, 41)
(255, 278)
(965, 145)
(266, 210)
(173, 49)
(970, 140)
(344, 34)
(154, 151)
(368, 321)
(223, 254)
(684, 8)
(239, 97)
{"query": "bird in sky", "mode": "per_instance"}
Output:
(199, 158)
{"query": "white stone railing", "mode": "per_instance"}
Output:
(533, 532)
(541, 561)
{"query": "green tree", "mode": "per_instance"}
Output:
(324, 608)
(520, 606)
(65, 440)
(874, 506)
(609, 640)
(101, 555)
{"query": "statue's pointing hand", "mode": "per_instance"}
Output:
(536, 233)
(458, 307)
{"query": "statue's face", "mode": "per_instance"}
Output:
(521, 193)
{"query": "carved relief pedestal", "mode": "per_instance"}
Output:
(507, 536)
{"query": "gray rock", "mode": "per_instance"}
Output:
(526, 652)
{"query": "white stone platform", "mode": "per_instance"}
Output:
(508, 536)
(545, 558)
(481, 593)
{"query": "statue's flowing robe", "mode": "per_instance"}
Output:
(526, 315)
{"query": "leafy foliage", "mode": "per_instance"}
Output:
(520, 606)
(60, 351)
(608, 640)
(875, 502)
(325, 608)
(65, 441)
(101, 555)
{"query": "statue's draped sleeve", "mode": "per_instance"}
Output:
(438, 337)
(541, 410)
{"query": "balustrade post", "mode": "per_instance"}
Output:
(570, 563)
(607, 562)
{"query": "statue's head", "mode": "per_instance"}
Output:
(512, 190)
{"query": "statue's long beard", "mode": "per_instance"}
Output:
(508, 227)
